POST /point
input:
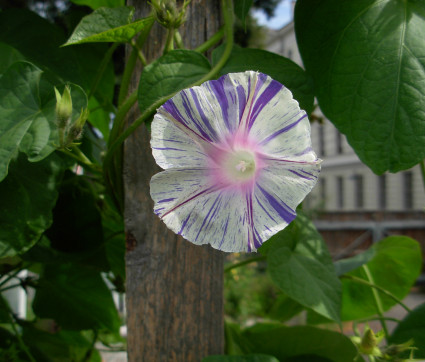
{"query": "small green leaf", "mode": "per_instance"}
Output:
(368, 63)
(169, 74)
(27, 114)
(279, 68)
(108, 25)
(395, 266)
(28, 196)
(301, 343)
(94, 4)
(412, 327)
(77, 298)
(300, 265)
(241, 8)
(246, 358)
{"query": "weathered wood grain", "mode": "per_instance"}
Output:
(174, 289)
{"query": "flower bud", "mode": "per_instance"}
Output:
(63, 107)
(168, 14)
(76, 130)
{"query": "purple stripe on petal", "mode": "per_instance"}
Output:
(184, 224)
(208, 218)
(224, 234)
(218, 88)
(300, 175)
(203, 192)
(284, 211)
(207, 122)
(166, 200)
(171, 108)
(282, 130)
(187, 108)
(264, 209)
(241, 100)
(265, 97)
(168, 149)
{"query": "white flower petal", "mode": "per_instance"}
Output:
(281, 188)
(201, 212)
(173, 146)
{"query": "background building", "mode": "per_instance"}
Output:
(352, 205)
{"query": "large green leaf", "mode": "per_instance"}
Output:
(27, 114)
(367, 58)
(27, 32)
(346, 265)
(77, 298)
(169, 74)
(108, 25)
(27, 196)
(300, 265)
(279, 68)
(395, 266)
(301, 343)
(247, 358)
(412, 327)
(94, 4)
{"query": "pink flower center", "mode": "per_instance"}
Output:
(235, 163)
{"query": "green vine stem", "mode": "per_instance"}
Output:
(76, 153)
(227, 7)
(102, 68)
(178, 39)
(377, 287)
(215, 39)
(230, 267)
(169, 43)
(378, 301)
(131, 62)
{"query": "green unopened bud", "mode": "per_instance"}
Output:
(368, 344)
(63, 107)
(168, 14)
(76, 130)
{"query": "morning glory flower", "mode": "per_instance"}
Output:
(237, 160)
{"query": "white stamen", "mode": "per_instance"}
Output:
(241, 166)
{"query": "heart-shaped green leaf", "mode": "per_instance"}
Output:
(300, 265)
(27, 114)
(108, 25)
(169, 74)
(27, 195)
(367, 58)
(395, 266)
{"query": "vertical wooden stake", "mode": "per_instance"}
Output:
(174, 288)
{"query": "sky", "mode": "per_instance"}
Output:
(283, 15)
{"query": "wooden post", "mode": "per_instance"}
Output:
(174, 288)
